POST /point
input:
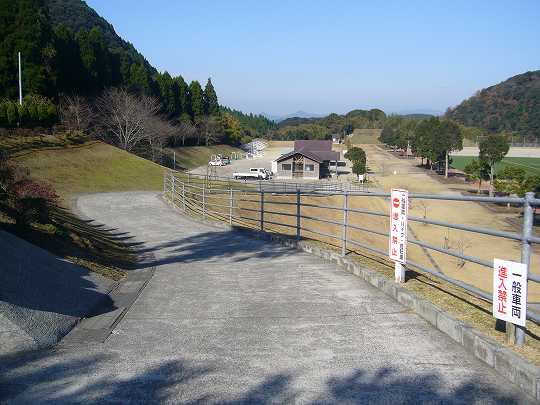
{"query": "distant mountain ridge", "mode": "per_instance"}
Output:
(297, 114)
(512, 105)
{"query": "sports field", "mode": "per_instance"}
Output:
(530, 165)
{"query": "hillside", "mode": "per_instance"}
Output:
(77, 15)
(92, 167)
(325, 127)
(67, 48)
(508, 106)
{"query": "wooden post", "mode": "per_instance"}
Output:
(345, 223)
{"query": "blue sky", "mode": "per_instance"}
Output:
(278, 57)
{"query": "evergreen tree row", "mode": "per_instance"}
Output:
(56, 61)
(253, 125)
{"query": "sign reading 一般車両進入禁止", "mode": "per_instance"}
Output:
(510, 291)
(399, 209)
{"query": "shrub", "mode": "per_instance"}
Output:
(27, 200)
(31, 202)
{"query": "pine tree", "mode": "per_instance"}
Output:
(211, 105)
(68, 61)
(182, 95)
(196, 102)
(139, 79)
(25, 28)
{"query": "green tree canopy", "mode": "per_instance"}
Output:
(211, 105)
(355, 154)
(493, 149)
(196, 102)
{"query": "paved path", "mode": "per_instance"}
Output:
(231, 319)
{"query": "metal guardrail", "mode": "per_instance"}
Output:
(321, 186)
(192, 193)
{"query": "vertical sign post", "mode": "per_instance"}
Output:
(20, 80)
(510, 291)
(397, 247)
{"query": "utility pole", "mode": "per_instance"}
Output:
(20, 80)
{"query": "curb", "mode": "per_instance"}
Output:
(98, 328)
(507, 363)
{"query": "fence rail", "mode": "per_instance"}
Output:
(320, 186)
(234, 202)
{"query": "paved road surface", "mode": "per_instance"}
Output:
(230, 319)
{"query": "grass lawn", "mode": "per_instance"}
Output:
(365, 136)
(531, 165)
(91, 167)
(75, 165)
(189, 157)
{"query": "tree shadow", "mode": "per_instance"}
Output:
(39, 377)
(388, 386)
(43, 377)
(234, 245)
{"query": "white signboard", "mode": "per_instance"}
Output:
(510, 291)
(399, 203)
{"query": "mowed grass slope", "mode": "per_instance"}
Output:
(365, 136)
(189, 157)
(530, 165)
(92, 167)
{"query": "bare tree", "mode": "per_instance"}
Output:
(75, 113)
(462, 244)
(208, 129)
(182, 132)
(126, 118)
(157, 131)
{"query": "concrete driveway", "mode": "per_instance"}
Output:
(235, 320)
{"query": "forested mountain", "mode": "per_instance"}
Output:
(513, 105)
(325, 127)
(68, 48)
(253, 125)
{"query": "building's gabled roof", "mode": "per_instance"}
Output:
(307, 154)
(326, 155)
(313, 145)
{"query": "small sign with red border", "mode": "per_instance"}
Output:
(399, 210)
(510, 291)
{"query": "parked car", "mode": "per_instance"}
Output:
(216, 162)
(255, 173)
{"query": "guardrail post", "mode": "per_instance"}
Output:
(165, 175)
(345, 223)
(262, 210)
(172, 190)
(528, 219)
(204, 200)
(297, 213)
(184, 196)
(231, 203)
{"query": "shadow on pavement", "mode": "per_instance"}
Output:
(39, 377)
(235, 246)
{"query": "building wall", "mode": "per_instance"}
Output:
(287, 174)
